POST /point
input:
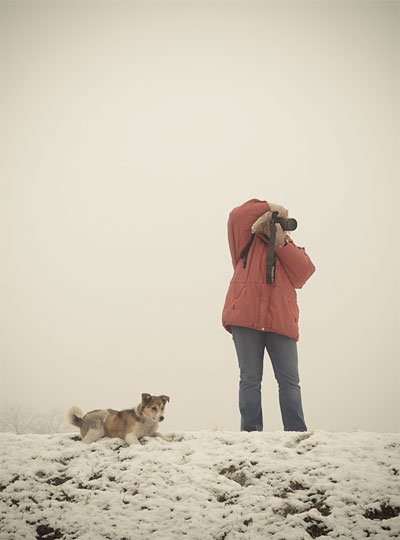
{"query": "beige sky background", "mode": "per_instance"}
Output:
(130, 130)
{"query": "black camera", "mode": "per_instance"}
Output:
(287, 224)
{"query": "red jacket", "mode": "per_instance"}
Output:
(250, 300)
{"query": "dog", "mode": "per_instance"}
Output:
(129, 424)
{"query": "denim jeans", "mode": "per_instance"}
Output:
(282, 350)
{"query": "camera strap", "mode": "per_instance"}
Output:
(271, 255)
(245, 252)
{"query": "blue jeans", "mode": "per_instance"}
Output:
(282, 350)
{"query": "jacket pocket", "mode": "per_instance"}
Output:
(242, 304)
(237, 298)
(293, 308)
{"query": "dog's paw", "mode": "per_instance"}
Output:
(160, 436)
(163, 440)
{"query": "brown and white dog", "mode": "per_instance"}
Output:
(129, 424)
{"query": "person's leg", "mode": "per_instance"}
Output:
(250, 345)
(283, 353)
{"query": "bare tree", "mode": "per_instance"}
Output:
(22, 419)
(17, 419)
(51, 422)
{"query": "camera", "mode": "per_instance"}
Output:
(287, 224)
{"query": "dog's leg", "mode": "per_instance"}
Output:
(131, 438)
(92, 435)
(157, 434)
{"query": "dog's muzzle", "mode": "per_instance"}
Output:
(161, 419)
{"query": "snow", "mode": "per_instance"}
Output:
(204, 485)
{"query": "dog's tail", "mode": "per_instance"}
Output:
(75, 416)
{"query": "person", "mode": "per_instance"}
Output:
(262, 315)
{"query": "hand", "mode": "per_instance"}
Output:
(262, 226)
(282, 211)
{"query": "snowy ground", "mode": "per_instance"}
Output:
(206, 485)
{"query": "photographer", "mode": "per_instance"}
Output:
(261, 309)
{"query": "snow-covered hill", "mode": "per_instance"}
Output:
(207, 485)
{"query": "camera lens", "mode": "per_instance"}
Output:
(291, 224)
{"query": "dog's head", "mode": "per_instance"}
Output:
(152, 407)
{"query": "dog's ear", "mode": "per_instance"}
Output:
(164, 399)
(146, 398)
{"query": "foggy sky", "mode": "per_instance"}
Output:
(130, 131)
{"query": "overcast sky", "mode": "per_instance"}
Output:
(130, 131)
